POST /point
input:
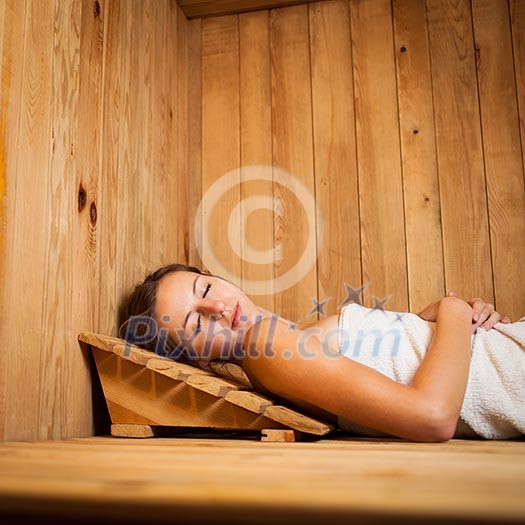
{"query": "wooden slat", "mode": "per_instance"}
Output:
(517, 19)
(292, 152)
(61, 243)
(280, 436)
(159, 180)
(86, 157)
(229, 371)
(185, 186)
(108, 267)
(220, 137)
(202, 8)
(194, 135)
(213, 385)
(424, 244)
(256, 146)
(252, 401)
(339, 258)
(179, 371)
(124, 188)
(296, 420)
(25, 277)
(104, 342)
(378, 153)
(462, 182)
(12, 24)
(501, 150)
(137, 355)
(140, 190)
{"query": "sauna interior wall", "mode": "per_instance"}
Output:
(93, 177)
(404, 119)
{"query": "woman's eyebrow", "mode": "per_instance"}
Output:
(188, 314)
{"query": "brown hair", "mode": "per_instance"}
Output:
(141, 304)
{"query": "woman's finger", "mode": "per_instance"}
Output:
(482, 314)
(491, 321)
(477, 307)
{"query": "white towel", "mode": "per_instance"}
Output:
(394, 343)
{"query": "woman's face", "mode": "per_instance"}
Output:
(206, 314)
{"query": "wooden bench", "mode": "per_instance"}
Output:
(146, 393)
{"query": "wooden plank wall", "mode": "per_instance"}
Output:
(94, 160)
(405, 120)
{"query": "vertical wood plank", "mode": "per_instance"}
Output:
(143, 133)
(220, 134)
(502, 153)
(25, 294)
(108, 266)
(181, 87)
(378, 153)
(293, 152)
(466, 248)
(195, 136)
(60, 241)
(87, 133)
(128, 231)
(172, 249)
(12, 22)
(517, 19)
(426, 275)
(336, 188)
(160, 179)
(256, 143)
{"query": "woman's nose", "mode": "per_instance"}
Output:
(212, 306)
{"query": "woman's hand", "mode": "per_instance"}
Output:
(483, 314)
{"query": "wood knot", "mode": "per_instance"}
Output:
(82, 198)
(96, 9)
(93, 213)
(415, 132)
(403, 49)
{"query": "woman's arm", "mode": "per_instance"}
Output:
(301, 369)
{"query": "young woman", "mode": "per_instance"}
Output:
(196, 317)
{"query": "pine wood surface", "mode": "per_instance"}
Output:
(229, 480)
(203, 8)
(403, 118)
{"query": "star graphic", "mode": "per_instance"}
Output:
(292, 326)
(379, 303)
(318, 307)
(353, 295)
(398, 317)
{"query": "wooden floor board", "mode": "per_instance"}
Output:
(205, 480)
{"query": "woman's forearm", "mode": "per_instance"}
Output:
(442, 376)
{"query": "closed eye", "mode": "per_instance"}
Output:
(199, 317)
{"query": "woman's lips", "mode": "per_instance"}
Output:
(235, 316)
